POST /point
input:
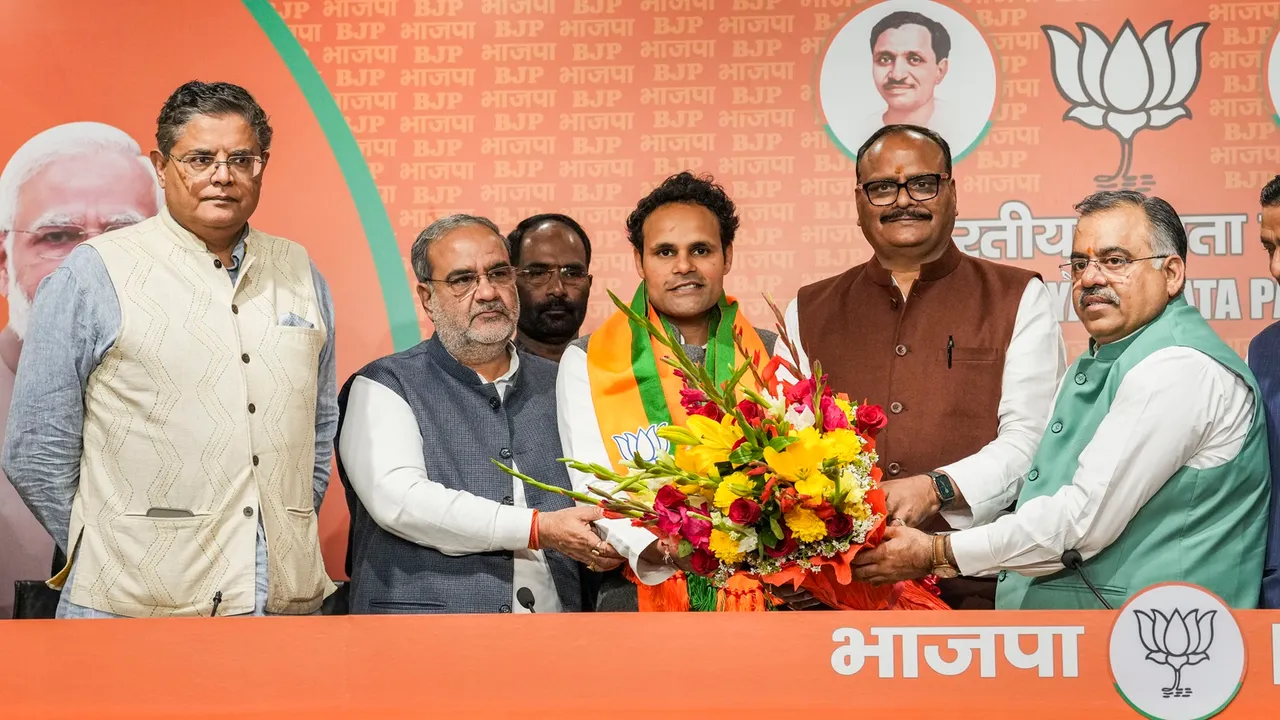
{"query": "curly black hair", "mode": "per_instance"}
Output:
(689, 189)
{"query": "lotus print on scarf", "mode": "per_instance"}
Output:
(1125, 84)
(643, 443)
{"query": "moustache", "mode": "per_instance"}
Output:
(1105, 293)
(491, 306)
(554, 303)
(905, 214)
(891, 84)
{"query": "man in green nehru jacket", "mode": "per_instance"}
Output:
(1154, 464)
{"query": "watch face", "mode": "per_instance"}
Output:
(943, 484)
(945, 572)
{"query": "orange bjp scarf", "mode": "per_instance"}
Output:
(635, 393)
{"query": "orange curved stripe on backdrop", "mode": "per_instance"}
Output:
(75, 60)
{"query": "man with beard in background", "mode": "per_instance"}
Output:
(435, 526)
(552, 256)
(63, 186)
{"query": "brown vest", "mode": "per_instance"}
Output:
(877, 348)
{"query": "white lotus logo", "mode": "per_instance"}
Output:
(644, 442)
(1177, 640)
(1126, 84)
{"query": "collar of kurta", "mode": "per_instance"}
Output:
(447, 362)
(188, 240)
(935, 270)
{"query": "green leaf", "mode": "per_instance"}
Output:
(686, 548)
(775, 527)
(767, 538)
(745, 453)
(782, 442)
(725, 468)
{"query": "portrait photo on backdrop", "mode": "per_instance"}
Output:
(907, 61)
(62, 186)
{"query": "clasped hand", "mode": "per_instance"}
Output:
(569, 532)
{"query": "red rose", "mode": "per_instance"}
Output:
(696, 531)
(825, 511)
(752, 412)
(833, 418)
(787, 545)
(744, 512)
(669, 497)
(871, 419)
(704, 563)
(838, 526)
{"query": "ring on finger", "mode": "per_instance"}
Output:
(591, 566)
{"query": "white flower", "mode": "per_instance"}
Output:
(749, 542)
(800, 419)
(1126, 84)
(644, 442)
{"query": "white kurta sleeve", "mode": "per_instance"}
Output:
(382, 453)
(1176, 408)
(581, 440)
(1034, 363)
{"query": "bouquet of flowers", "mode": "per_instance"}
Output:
(768, 478)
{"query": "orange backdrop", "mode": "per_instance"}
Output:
(390, 113)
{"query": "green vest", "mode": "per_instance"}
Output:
(1207, 527)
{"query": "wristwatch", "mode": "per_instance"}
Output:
(941, 567)
(945, 489)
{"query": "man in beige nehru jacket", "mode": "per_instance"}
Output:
(174, 410)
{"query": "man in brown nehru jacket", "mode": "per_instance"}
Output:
(964, 354)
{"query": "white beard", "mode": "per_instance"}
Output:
(19, 303)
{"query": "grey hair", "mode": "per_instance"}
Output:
(437, 231)
(1168, 235)
(59, 141)
(212, 99)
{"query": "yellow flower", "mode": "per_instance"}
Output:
(816, 485)
(801, 459)
(716, 440)
(845, 406)
(731, 488)
(725, 547)
(843, 445)
(805, 525)
(721, 435)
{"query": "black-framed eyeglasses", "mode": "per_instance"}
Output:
(919, 188)
(464, 284)
(202, 166)
(570, 275)
(1112, 266)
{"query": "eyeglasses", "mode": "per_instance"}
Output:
(570, 275)
(55, 242)
(466, 283)
(919, 188)
(245, 167)
(1114, 267)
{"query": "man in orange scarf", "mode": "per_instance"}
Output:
(614, 391)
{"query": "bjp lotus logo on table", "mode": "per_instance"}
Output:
(1125, 85)
(1177, 653)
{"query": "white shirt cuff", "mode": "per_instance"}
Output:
(965, 476)
(630, 542)
(512, 528)
(972, 550)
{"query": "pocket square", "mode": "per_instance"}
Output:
(291, 320)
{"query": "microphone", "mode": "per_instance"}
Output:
(1072, 561)
(524, 596)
